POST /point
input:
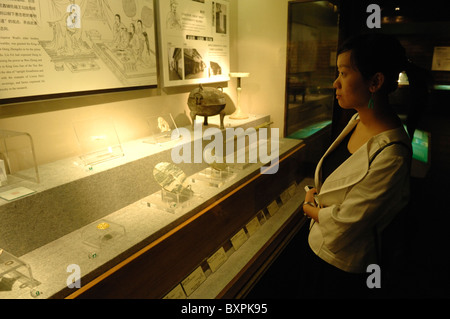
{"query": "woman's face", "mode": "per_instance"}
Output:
(352, 90)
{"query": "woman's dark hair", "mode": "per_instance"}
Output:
(372, 53)
(376, 52)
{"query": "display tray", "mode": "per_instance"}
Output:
(137, 224)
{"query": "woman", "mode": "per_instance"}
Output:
(362, 181)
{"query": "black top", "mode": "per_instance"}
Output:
(336, 157)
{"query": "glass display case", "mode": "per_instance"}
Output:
(311, 67)
(103, 221)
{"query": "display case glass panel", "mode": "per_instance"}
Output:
(311, 67)
(17, 158)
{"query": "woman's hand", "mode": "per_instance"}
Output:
(310, 211)
(309, 197)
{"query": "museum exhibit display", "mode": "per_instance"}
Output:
(126, 172)
(207, 101)
(113, 226)
(108, 217)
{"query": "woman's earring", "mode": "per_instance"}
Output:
(371, 102)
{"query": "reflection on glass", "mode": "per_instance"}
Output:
(311, 67)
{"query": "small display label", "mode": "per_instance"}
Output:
(253, 226)
(217, 259)
(16, 193)
(272, 208)
(193, 281)
(176, 293)
(239, 239)
(285, 196)
(292, 189)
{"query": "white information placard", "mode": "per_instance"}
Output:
(253, 226)
(194, 41)
(272, 208)
(217, 259)
(65, 46)
(239, 239)
(16, 193)
(193, 281)
(176, 293)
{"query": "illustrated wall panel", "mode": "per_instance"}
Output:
(194, 41)
(63, 46)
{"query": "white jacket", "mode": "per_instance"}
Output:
(358, 200)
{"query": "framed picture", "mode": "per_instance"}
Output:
(67, 46)
(441, 59)
(194, 41)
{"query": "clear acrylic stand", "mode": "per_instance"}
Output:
(17, 158)
(169, 201)
(161, 129)
(98, 141)
(12, 271)
(214, 177)
(100, 235)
